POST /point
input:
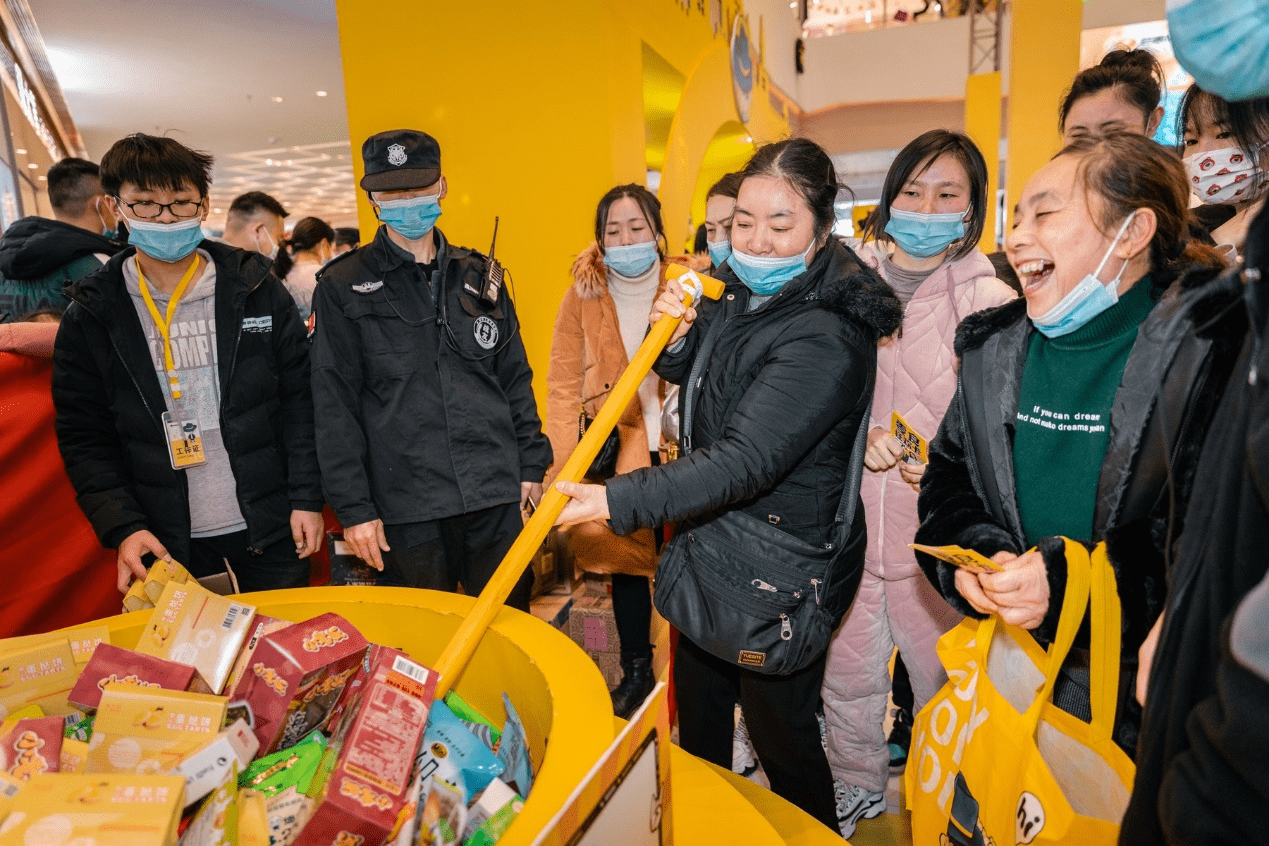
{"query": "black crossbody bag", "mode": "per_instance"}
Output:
(747, 592)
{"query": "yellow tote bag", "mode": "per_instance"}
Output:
(993, 760)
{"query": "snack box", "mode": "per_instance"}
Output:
(205, 768)
(40, 675)
(33, 746)
(146, 730)
(262, 625)
(216, 822)
(105, 810)
(124, 666)
(74, 757)
(161, 574)
(297, 676)
(365, 780)
(190, 625)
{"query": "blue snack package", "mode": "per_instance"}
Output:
(513, 752)
(451, 753)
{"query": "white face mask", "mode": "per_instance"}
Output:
(1227, 175)
(272, 251)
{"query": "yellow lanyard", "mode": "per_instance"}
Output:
(164, 325)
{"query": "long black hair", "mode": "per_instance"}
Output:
(306, 235)
(648, 204)
(912, 161)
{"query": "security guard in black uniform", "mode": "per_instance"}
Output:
(427, 429)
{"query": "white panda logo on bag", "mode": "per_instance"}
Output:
(1030, 819)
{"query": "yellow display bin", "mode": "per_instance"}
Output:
(558, 692)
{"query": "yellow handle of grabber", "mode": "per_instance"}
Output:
(472, 628)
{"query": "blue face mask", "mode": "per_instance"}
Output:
(765, 275)
(1224, 44)
(412, 218)
(924, 235)
(632, 260)
(718, 251)
(168, 242)
(1085, 301)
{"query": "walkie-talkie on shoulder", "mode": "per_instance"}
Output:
(492, 284)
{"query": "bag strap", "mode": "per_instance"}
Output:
(1074, 604)
(1104, 645)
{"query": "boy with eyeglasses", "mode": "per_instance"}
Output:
(181, 384)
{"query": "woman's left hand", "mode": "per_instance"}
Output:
(1021, 590)
(586, 503)
(912, 473)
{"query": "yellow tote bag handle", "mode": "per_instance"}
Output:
(1105, 621)
(1074, 603)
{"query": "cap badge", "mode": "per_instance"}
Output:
(396, 155)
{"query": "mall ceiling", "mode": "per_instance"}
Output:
(257, 83)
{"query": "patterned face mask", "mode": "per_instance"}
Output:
(1227, 175)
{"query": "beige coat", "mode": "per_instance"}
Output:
(587, 358)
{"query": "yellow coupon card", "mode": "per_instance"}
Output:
(959, 556)
(916, 449)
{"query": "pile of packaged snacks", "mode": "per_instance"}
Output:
(228, 727)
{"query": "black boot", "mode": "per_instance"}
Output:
(636, 683)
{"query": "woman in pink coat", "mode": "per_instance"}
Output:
(923, 239)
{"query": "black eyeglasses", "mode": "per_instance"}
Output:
(148, 209)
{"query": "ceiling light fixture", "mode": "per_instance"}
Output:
(32, 165)
(277, 99)
(321, 93)
(20, 151)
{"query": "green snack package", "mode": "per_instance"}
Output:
(79, 729)
(292, 767)
(479, 725)
(490, 815)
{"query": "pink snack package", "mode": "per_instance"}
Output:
(115, 664)
(365, 779)
(296, 676)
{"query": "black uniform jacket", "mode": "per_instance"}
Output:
(423, 394)
(110, 403)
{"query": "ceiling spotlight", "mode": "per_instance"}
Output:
(44, 179)
(215, 211)
(321, 93)
(20, 151)
(277, 99)
(33, 165)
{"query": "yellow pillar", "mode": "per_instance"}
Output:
(1044, 54)
(982, 125)
(538, 112)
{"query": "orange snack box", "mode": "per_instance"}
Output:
(296, 677)
(105, 810)
(365, 778)
(40, 675)
(145, 730)
(191, 625)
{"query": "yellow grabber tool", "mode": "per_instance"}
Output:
(472, 628)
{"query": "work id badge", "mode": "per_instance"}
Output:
(184, 440)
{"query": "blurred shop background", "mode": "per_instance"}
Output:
(541, 107)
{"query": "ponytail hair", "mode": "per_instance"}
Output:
(1129, 172)
(305, 235)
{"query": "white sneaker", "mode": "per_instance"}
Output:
(855, 804)
(743, 757)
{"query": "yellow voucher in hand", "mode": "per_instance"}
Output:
(916, 449)
(959, 556)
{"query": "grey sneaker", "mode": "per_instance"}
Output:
(855, 804)
(743, 758)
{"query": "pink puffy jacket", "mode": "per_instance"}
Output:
(916, 376)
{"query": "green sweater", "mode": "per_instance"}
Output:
(1063, 425)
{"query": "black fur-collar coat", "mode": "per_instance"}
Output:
(1178, 366)
(779, 403)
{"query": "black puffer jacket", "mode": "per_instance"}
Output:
(779, 404)
(109, 405)
(40, 257)
(1174, 375)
